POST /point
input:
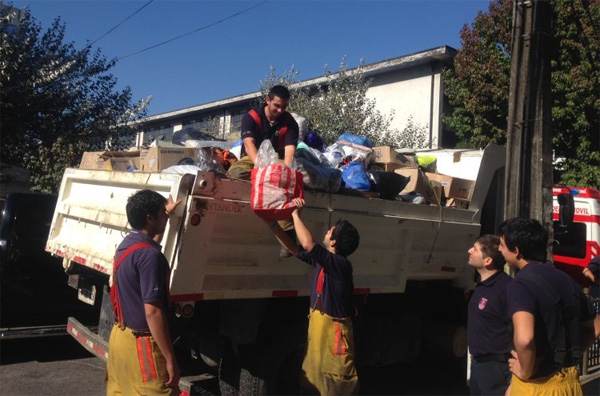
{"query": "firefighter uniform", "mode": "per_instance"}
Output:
(328, 367)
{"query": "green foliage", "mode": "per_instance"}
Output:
(340, 104)
(57, 102)
(478, 85)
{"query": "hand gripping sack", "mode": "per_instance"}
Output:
(273, 188)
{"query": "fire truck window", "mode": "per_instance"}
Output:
(571, 241)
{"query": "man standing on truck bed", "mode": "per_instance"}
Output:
(271, 122)
(552, 318)
(328, 367)
(488, 323)
(141, 358)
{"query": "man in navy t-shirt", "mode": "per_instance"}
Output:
(328, 367)
(546, 305)
(141, 358)
(488, 324)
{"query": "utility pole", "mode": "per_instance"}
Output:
(529, 146)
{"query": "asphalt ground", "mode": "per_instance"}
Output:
(60, 366)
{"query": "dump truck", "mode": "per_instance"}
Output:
(240, 309)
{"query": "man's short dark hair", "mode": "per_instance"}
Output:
(141, 204)
(279, 91)
(526, 234)
(489, 248)
(346, 238)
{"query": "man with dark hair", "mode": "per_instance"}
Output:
(269, 122)
(141, 358)
(553, 320)
(488, 324)
(328, 367)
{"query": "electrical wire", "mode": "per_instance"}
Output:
(120, 23)
(195, 30)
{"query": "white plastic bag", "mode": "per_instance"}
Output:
(266, 155)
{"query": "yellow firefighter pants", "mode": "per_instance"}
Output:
(328, 367)
(135, 365)
(563, 383)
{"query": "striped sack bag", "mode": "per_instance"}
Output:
(273, 188)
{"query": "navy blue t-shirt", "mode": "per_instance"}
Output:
(488, 325)
(526, 296)
(268, 131)
(338, 287)
(142, 278)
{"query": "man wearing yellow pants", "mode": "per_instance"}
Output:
(553, 321)
(141, 359)
(328, 367)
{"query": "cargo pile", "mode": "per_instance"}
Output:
(349, 166)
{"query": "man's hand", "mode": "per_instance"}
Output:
(514, 364)
(171, 205)
(589, 274)
(174, 374)
(299, 204)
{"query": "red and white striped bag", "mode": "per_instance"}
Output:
(273, 188)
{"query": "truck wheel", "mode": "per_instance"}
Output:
(251, 385)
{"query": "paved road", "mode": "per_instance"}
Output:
(49, 366)
(60, 366)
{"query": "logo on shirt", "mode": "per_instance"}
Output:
(482, 303)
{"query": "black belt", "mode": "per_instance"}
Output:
(501, 357)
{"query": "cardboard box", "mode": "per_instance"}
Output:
(386, 154)
(110, 160)
(385, 167)
(418, 183)
(458, 203)
(155, 159)
(454, 187)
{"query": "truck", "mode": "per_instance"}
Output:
(240, 310)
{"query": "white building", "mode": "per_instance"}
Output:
(410, 85)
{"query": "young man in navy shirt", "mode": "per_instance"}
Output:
(328, 367)
(553, 320)
(488, 324)
(268, 122)
(141, 358)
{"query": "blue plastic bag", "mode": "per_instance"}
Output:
(355, 139)
(355, 176)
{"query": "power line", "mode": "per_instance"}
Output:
(196, 30)
(120, 23)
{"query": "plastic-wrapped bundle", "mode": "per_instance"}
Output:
(355, 177)
(319, 177)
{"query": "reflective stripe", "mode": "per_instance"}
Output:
(339, 341)
(146, 359)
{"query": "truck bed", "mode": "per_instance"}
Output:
(219, 249)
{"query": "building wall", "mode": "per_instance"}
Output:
(410, 86)
(415, 93)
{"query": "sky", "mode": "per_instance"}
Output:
(230, 54)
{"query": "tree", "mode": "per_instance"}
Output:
(478, 85)
(341, 105)
(56, 101)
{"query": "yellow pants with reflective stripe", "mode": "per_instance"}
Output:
(135, 365)
(564, 383)
(328, 367)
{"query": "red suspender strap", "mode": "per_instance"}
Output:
(283, 130)
(114, 290)
(256, 119)
(319, 288)
(320, 282)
